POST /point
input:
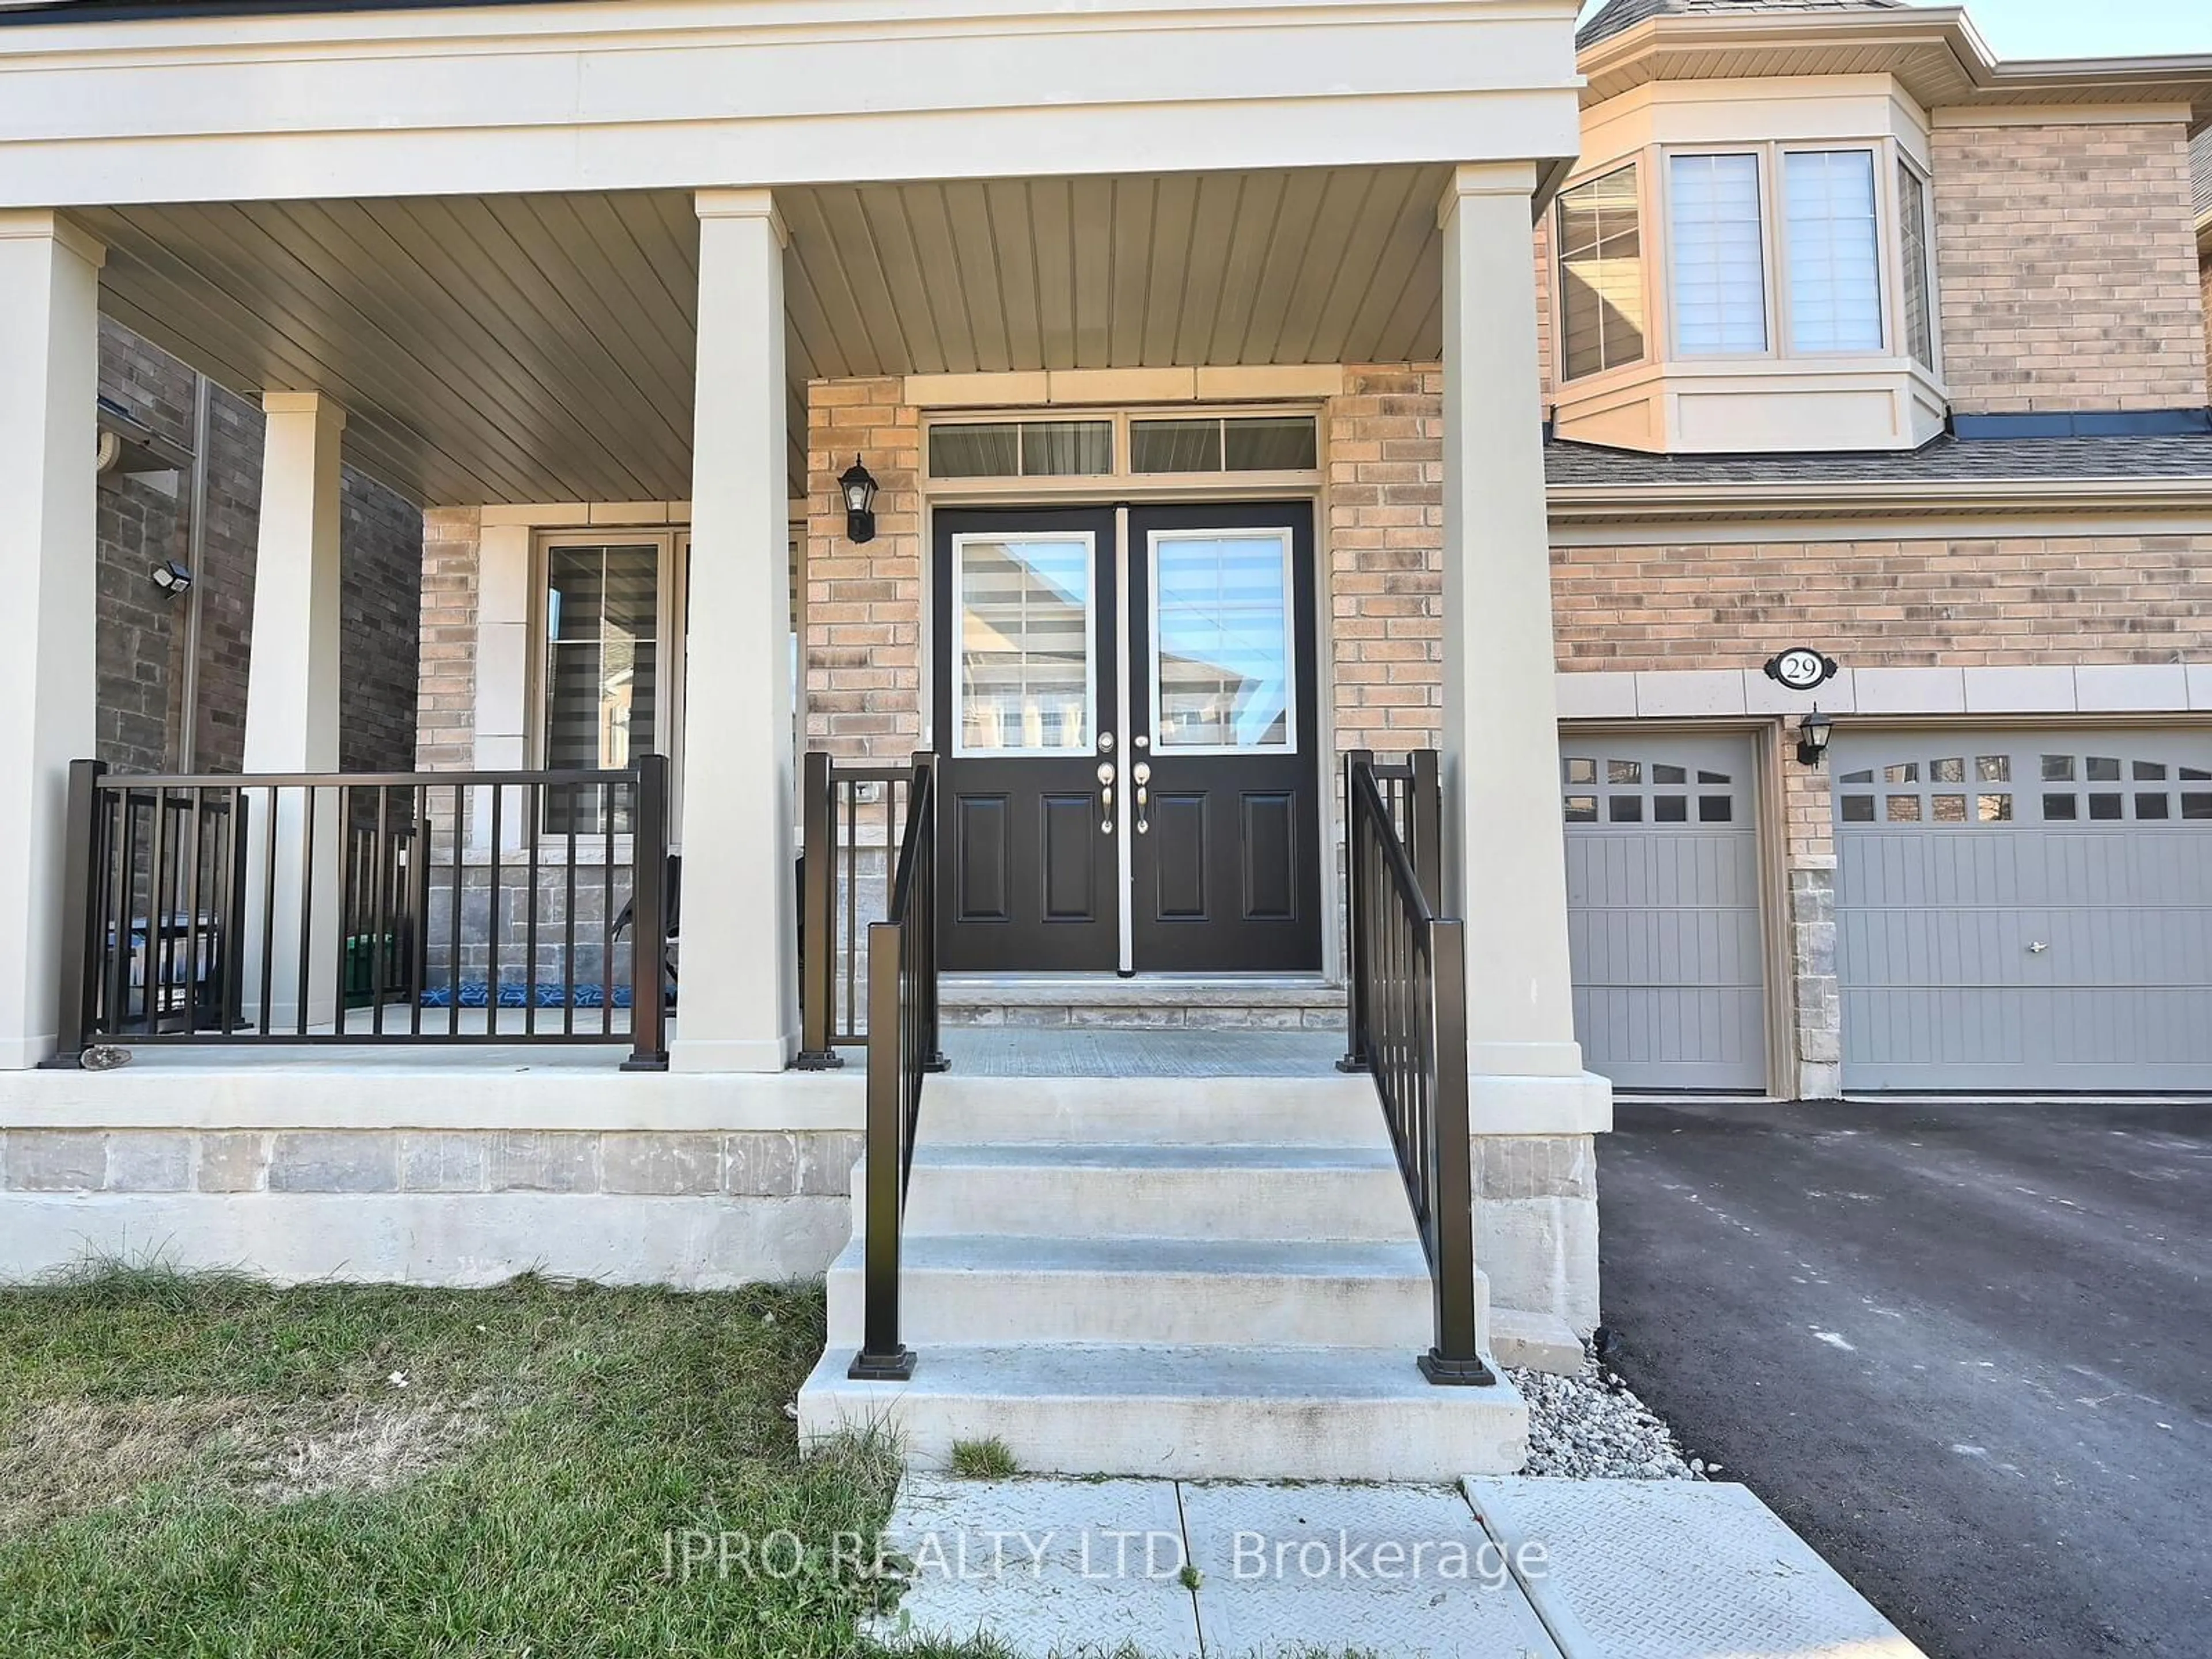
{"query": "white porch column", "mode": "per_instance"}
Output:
(1504, 847)
(49, 383)
(739, 1006)
(292, 689)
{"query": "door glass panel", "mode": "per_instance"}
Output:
(1025, 684)
(1222, 664)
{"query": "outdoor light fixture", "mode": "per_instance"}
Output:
(859, 487)
(172, 578)
(1812, 735)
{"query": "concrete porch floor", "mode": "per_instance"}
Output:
(975, 1051)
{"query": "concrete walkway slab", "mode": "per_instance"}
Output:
(1046, 1567)
(1497, 1569)
(1676, 1569)
(1398, 1569)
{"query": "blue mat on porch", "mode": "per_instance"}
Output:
(476, 994)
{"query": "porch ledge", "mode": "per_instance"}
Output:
(1581, 1105)
(488, 1089)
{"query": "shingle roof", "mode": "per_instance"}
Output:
(1946, 461)
(1622, 15)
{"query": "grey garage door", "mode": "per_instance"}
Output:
(2024, 910)
(1662, 910)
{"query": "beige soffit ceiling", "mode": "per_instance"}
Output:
(524, 349)
(1935, 52)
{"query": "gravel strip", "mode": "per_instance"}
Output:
(1593, 1427)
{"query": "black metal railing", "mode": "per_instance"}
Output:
(1409, 1031)
(387, 908)
(853, 817)
(902, 1052)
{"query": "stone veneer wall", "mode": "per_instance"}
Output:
(2068, 268)
(696, 1209)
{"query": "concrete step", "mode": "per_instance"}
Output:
(1195, 1413)
(1152, 1110)
(1088, 1190)
(1007, 1288)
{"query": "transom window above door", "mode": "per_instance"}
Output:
(1277, 446)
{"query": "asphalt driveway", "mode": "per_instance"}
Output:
(1962, 1348)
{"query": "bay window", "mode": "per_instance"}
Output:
(1833, 251)
(1719, 265)
(1913, 242)
(1601, 274)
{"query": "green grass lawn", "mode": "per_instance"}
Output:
(207, 1466)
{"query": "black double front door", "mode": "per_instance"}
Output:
(1126, 714)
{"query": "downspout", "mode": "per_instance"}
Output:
(195, 548)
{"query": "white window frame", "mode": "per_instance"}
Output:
(1291, 659)
(1885, 251)
(1121, 483)
(1644, 164)
(958, 713)
(1763, 172)
(1905, 161)
(673, 545)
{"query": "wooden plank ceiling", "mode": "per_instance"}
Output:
(540, 348)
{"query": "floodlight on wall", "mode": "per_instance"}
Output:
(1812, 735)
(172, 578)
(858, 487)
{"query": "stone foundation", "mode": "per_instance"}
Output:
(696, 1210)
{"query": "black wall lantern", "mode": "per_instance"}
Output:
(1812, 735)
(859, 487)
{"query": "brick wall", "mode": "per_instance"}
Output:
(380, 543)
(1891, 604)
(142, 631)
(445, 688)
(2068, 271)
(863, 605)
(1385, 589)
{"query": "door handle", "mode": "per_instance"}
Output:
(1141, 772)
(1105, 742)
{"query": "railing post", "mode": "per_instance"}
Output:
(925, 875)
(1355, 909)
(80, 979)
(882, 1358)
(1424, 818)
(1453, 1362)
(817, 949)
(649, 933)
